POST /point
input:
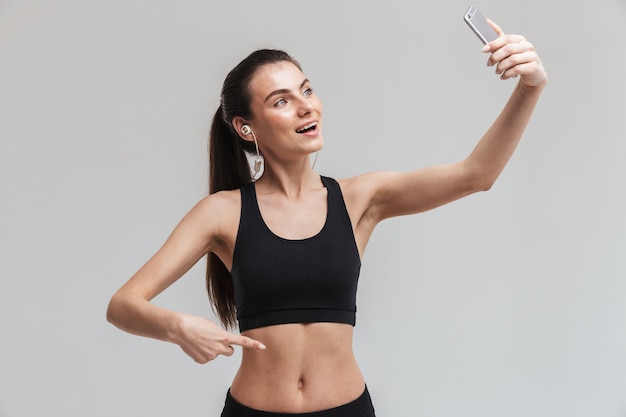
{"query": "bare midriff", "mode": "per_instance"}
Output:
(306, 367)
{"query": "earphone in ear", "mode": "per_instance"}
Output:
(245, 129)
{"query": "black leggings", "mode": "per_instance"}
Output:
(361, 407)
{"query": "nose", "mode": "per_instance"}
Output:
(306, 106)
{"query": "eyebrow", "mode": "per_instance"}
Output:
(284, 90)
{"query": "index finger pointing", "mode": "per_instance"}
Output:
(247, 342)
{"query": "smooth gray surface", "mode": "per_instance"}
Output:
(511, 302)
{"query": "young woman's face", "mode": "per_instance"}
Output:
(287, 115)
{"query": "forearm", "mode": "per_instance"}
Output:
(197, 336)
(134, 314)
(495, 148)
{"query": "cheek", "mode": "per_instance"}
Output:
(282, 120)
(277, 121)
(319, 106)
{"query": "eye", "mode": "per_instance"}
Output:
(308, 92)
(280, 102)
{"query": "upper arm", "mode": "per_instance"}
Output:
(391, 194)
(200, 231)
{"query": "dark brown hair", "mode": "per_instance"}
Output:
(228, 164)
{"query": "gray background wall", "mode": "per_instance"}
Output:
(511, 302)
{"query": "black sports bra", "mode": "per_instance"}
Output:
(278, 281)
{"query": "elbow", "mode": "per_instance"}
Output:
(113, 310)
(478, 178)
(480, 183)
(110, 313)
(486, 185)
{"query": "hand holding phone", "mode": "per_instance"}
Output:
(479, 25)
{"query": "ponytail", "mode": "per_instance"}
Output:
(228, 170)
(228, 164)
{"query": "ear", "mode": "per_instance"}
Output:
(238, 123)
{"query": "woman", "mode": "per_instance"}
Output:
(285, 247)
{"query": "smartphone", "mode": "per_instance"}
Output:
(479, 25)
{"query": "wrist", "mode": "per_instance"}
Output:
(526, 89)
(175, 326)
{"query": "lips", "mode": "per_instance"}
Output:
(307, 127)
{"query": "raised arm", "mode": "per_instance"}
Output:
(392, 194)
(202, 230)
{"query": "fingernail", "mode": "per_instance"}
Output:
(485, 48)
(261, 346)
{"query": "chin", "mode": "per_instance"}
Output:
(320, 143)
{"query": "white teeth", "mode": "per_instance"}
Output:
(310, 125)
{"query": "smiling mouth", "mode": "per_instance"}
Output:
(307, 128)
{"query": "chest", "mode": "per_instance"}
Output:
(313, 263)
(297, 218)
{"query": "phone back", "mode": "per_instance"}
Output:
(479, 25)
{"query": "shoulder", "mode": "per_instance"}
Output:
(366, 186)
(362, 192)
(216, 213)
(222, 201)
(372, 194)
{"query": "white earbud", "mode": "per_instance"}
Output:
(245, 129)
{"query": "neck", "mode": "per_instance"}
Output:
(290, 179)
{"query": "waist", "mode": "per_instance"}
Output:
(361, 406)
(296, 315)
(306, 367)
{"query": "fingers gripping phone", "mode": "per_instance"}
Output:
(479, 25)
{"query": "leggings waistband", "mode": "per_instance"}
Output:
(361, 407)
